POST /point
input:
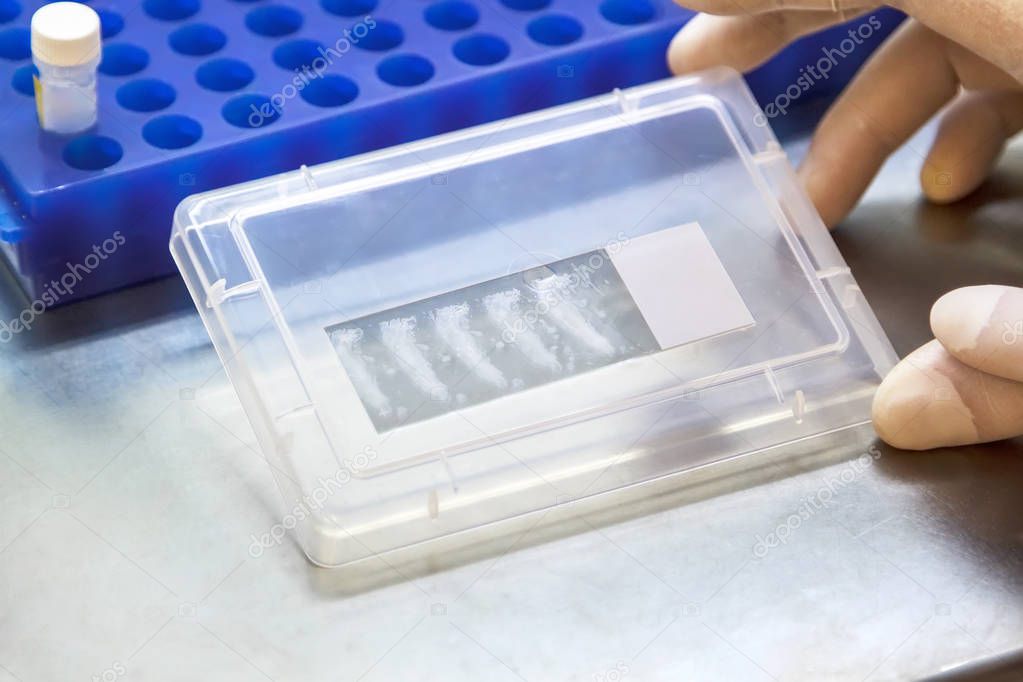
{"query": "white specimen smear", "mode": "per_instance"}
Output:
(503, 310)
(569, 356)
(399, 337)
(347, 342)
(452, 324)
(557, 291)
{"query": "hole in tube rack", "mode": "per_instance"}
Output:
(386, 35)
(349, 8)
(15, 43)
(406, 70)
(145, 95)
(250, 111)
(197, 40)
(555, 30)
(481, 50)
(451, 15)
(274, 21)
(297, 54)
(21, 80)
(9, 10)
(172, 132)
(92, 152)
(110, 23)
(224, 75)
(123, 59)
(170, 10)
(627, 12)
(330, 91)
(526, 5)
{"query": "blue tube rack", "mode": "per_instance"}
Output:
(199, 94)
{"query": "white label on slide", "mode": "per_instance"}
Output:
(680, 286)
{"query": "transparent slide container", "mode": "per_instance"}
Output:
(438, 337)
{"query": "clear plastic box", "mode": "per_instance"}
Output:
(465, 330)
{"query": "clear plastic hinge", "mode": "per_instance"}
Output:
(624, 103)
(772, 153)
(219, 292)
(307, 175)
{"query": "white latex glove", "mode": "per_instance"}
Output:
(967, 385)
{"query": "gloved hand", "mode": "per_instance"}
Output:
(967, 385)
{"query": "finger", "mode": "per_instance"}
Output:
(991, 28)
(743, 42)
(983, 328)
(739, 7)
(931, 400)
(901, 87)
(971, 137)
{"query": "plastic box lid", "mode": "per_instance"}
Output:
(480, 326)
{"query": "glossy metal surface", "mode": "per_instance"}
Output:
(131, 489)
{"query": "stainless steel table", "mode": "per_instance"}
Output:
(131, 488)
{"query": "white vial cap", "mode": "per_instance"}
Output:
(65, 34)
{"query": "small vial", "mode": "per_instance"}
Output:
(66, 53)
